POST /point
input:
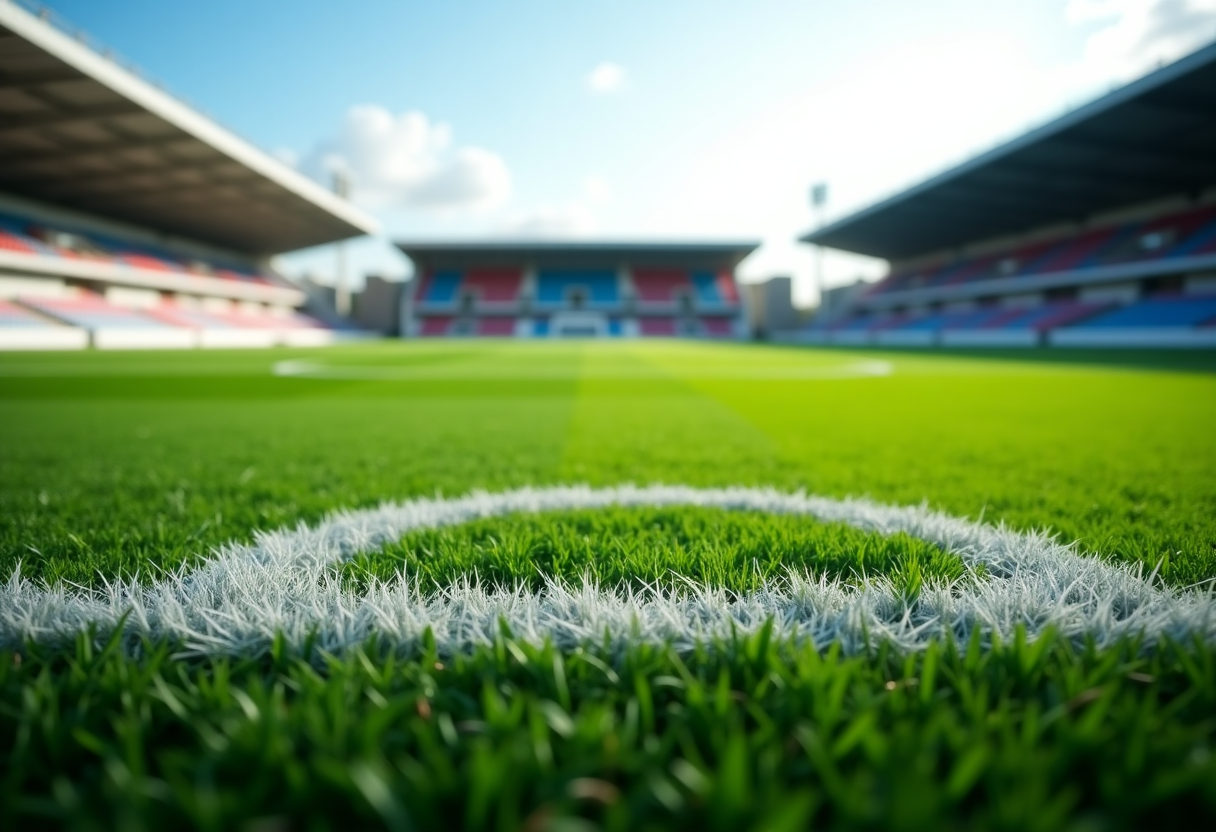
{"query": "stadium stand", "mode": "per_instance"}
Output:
(494, 286)
(110, 326)
(658, 326)
(575, 289)
(1160, 321)
(662, 287)
(130, 258)
(436, 325)
(21, 329)
(1034, 243)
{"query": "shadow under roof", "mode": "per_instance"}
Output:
(79, 131)
(583, 254)
(1153, 138)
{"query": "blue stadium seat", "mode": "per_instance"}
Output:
(705, 287)
(554, 286)
(443, 287)
(1177, 310)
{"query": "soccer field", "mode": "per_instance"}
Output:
(630, 585)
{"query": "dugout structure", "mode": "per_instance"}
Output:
(589, 290)
(129, 219)
(1097, 229)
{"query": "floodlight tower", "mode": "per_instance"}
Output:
(341, 288)
(819, 201)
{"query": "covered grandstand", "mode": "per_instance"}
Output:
(529, 289)
(1097, 229)
(128, 219)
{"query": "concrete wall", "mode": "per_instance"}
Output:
(770, 307)
(378, 306)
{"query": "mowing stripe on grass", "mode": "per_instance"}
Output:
(285, 583)
(303, 368)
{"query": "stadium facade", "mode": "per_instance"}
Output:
(128, 219)
(1097, 229)
(530, 290)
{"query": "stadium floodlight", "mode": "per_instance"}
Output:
(341, 288)
(819, 194)
(819, 201)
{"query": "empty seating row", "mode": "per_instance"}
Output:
(557, 325)
(23, 329)
(1164, 320)
(575, 288)
(26, 236)
(1183, 234)
(78, 320)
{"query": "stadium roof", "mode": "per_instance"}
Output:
(723, 255)
(78, 130)
(1153, 138)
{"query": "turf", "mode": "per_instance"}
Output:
(123, 464)
(638, 548)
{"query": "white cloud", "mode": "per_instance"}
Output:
(893, 119)
(606, 78)
(406, 160)
(572, 220)
(597, 189)
(1134, 36)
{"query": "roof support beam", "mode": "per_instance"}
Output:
(103, 150)
(82, 116)
(122, 182)
(17, 82)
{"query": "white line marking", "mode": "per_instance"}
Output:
(285, 582)
(303, 368)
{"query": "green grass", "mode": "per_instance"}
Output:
(747, 735)
(114, 462)
(121, 463)
(649, 547)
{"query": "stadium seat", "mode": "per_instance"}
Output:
(1169, 311)
(717, 327)
(1181, 234)
(657, 326)
(92, 312)
(496, 327)
(493, 286)
(12, 315)
(949, 320)
(557, 287)
(436, 325)
(1047, 316)
(439, 287)
(661, 286)
(714, 290)
(13, 242)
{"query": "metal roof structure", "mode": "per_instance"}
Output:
(1153, 138)
(720, 255)
(80, 131)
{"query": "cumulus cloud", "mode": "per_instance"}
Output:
(1134, 36)
(407, 160)
(606, 78)
(596, 188)
(548, 222)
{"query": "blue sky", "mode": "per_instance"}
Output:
(667, 118)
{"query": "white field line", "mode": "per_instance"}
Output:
(285, 582)
(302, 368)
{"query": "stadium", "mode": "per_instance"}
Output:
(1097, 229)
(542, 539)
(576, 289)
(129, 220)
